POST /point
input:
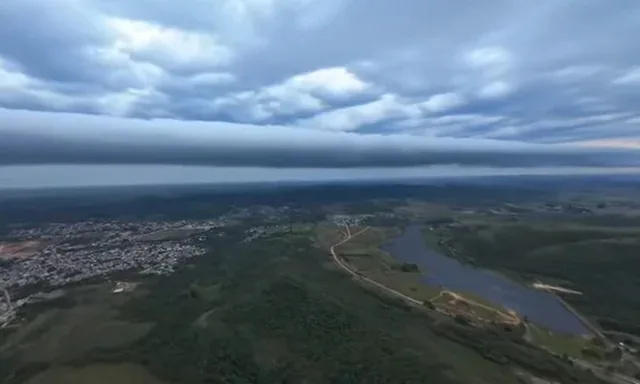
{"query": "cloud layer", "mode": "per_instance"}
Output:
(65, 138)
(319, 83)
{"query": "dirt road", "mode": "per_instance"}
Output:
(510, 318)
(352, 272)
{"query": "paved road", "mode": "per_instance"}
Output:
(352, 272)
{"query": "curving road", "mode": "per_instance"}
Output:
(615, 378)
(352, 272)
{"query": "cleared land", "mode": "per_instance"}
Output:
(18, 250)
(60, 332)
(456, 304)
(596, 261)
(96, 374)
(265, 311)
(560, 344)
(362, 254)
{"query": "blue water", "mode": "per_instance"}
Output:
(540, 307)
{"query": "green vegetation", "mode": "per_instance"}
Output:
(268, 312)
(409, 267)
(363, 253)
(507, 347)
(601, 262)
(96, 374)
(279, 310)
(567, 345)
(64, 334)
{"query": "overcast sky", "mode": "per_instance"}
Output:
(338, 87)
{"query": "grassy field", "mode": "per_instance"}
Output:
(265, 312)
(294, 322)
(326, 234)
(95, 374)
(58, 335)
(363, 253)
(423, 211)
(593, 259)
(572, 346)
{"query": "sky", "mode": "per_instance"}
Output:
(159, 91)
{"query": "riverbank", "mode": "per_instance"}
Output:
(537, 306)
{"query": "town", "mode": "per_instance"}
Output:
(59, 254)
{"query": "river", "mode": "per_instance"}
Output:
(540, 307)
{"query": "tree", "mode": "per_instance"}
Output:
(429, 304)
(409, 267)
(609, 369)
(461, 320)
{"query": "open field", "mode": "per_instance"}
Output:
(364, 255)
(293, 322)
(594, 260)
(326, 234)
(63, 332)
(18, 250)
(376, 264)
(458, 305)
(266, 311)
(95, 374)
(404, 282)
(424, 211)
(71, 333)
(572, 346)
(277, 308)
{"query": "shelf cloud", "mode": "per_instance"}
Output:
(68, 138)
(313, 84)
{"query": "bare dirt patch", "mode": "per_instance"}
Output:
(19, 250)
(455, 304)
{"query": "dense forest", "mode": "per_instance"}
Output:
(201, 202)
(277, 310)
(274, 311)
(600, 261)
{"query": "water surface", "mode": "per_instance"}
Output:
(539, 306)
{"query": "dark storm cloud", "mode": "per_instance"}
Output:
(548, 69)
(53, 41)
(56, 138)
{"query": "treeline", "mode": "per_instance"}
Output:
(599, 262)
(172, 203)
(507, 347)
(265, 325)
(275, 316)
(269, 312)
